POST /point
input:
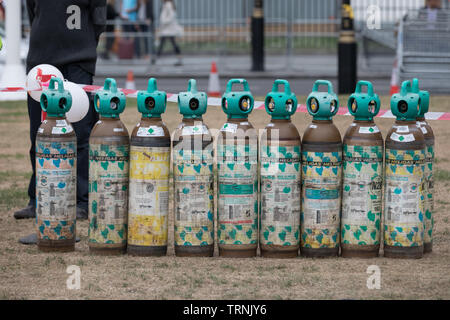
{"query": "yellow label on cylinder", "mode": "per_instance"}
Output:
(149, 196)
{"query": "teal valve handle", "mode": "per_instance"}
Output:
(231, 82)
(110, 102)
(364, 106)
(192, 104)
(281, 105)
(151, 103)
(322, 105)
(406, 105)
(56, 101)
(237, 104)
(424, 97)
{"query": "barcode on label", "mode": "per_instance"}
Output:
(163, 201)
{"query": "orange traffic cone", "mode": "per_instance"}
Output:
(213, 83)
(395, 88)
(130, 84)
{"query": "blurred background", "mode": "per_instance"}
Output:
(300, 41)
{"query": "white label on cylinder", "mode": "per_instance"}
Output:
(194, 130)
(152, 131)
(402, 129)
(229, 127)
(61, 123)
(373, 129)
(61, 130)
(402, 137)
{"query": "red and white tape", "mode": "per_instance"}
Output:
(172, 97)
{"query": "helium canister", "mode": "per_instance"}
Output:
(428, 172)
(280, 174)
(321, 176)
(363, 177)
(109, 148)
(237, 166)
(404, 167)
(148, 210)
(56, 172)
(193, 174)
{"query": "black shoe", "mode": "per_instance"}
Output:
(26, 213)
(81, 214)
(32, 239)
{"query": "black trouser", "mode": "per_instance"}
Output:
(174, 44)
(83, 128)
(130, 28)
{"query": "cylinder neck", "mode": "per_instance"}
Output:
(405, 122)
(363, 121)
(421, 118)
(322, 121)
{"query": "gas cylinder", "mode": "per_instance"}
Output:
(237, 166)
(363, 177)
(280, 172)
(428, 172)
(193, 173)
(404, 168)
(321, 176)
(109, 148)
(56, 172)
(148, 209)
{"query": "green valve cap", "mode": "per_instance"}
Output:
(406, 104)
(322, 105)
(56, 102)
(364, 106)
(192, 103)
(424, 97)
(151, 103)
(281, 105)
(109, 102)
(237, 104)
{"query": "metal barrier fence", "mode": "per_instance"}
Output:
(424, 49)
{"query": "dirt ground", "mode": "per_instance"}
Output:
(26, 273)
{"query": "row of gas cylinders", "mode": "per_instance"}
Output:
(318, 195)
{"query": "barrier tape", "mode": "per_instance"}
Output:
(172, 97)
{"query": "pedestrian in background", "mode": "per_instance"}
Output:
(74, 53)
(146, 25)
(130, 10)
(169, 28)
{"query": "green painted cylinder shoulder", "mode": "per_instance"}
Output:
(151, 103)
(192, 103)
(110, 102)
(281, 105)
(424, 98)
(406, 104)
(364, 106)
(237, 104)
(56, 101)
(322, 105)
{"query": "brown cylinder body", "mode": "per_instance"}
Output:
(393, 145)
(149, 188)
(109, 146)
(56, 185)
(321, 181)
(194, 189)
(280, 190)
(429, 184)
(363, 177)
(238, 223)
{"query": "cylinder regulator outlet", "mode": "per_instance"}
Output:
(192, 103)
(56, 101)
(151, 103)
(424, 97)
(364, 106)
(237, 104)
(406, 105)
(110, 102)
(322, 105)
(281, 105)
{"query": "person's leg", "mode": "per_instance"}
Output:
(137, 41)
(34, 115)
(82, 129)
(161, 45)
(177, 51)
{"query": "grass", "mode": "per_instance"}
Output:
(26, 273)
(441, 175)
